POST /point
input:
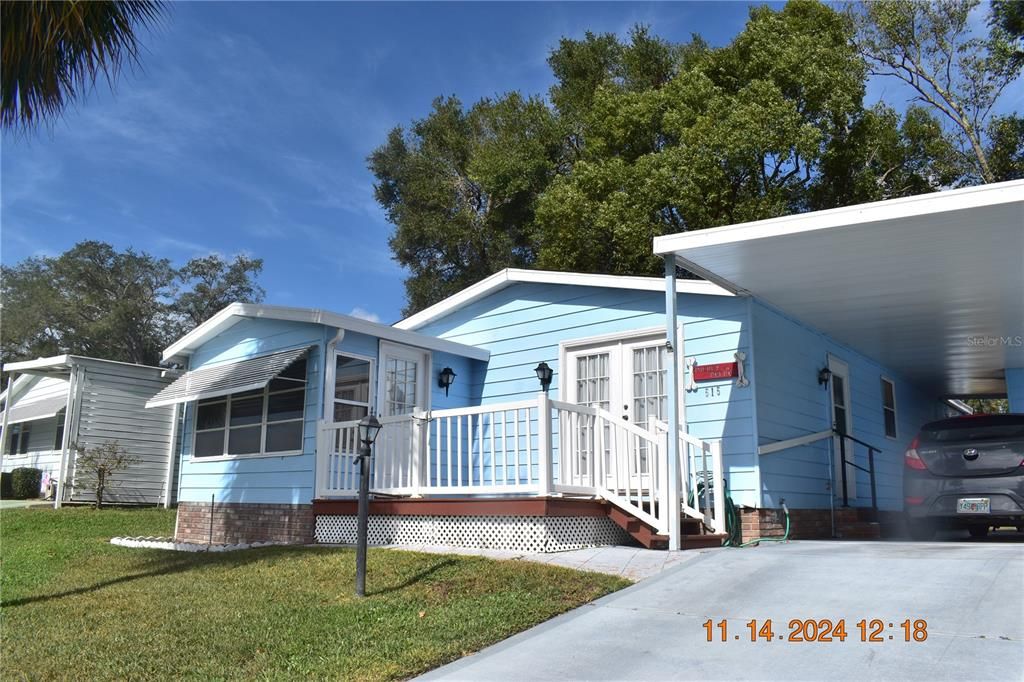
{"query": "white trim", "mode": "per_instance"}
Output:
(504, 278)
(233, 313)
(839, 366)
(64, 363)
(371, 398)
(859, 214)
(895, 413)
(769, 448)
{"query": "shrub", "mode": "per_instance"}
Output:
(6, 492)
(25, 482)
(95, 467)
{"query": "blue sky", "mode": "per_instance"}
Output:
(248, 126)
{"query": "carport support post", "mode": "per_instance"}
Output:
(672, 451)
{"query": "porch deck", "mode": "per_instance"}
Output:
(536, 459)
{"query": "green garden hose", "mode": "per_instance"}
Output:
(733, 535)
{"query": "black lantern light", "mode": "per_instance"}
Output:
(369, 427)
(824, 374)
(445, 379)
(544, 373)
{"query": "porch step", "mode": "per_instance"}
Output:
(694, 535)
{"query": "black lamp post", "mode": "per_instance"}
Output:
(369, 427)
(544, 374)
(445, 379)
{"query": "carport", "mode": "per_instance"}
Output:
(932, 285)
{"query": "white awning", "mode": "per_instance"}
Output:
(232, 377)
(40, 409)
(932, 286)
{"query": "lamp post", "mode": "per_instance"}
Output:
(369, 427)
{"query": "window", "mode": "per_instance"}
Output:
(261, 422)
(351, 388)
(19, 437)
(889, 407)
(58, 441)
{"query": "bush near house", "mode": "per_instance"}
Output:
(25, 483)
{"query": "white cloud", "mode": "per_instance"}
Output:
(364, 314)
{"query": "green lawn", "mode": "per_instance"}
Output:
(75, 606)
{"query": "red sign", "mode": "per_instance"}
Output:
(721, 370)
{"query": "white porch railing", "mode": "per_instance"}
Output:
(531, 447)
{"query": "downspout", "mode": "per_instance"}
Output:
(70, 415)
(672, 336)
(328, 375)
(4, 436)
(172, 451)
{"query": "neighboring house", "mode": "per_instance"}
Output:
(798, 378)
(60, 402)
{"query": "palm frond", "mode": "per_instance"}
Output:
(52, 52)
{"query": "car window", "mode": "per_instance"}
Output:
(974, 428)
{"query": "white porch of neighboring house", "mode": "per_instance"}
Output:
(68, 401)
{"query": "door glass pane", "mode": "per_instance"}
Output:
(838, 390)
(400, 378)
(343, 412)
(352, 379)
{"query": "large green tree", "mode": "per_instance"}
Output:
(460, 186)
(54, 51)
(119, 305)
(930, 46)
(643, 137)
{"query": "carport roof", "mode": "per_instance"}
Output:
(932, 286)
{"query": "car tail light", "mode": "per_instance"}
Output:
(911, 459)
(913, 501)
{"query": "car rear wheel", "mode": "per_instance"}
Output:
(921, 530)
(978, 530)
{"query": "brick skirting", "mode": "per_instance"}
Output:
(234, 522)
(807, 524)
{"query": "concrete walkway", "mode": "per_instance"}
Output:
(23, 504)
(633, 563)
(968, 592)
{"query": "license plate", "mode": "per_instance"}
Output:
(973, 505)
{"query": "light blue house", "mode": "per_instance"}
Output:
(796, 374)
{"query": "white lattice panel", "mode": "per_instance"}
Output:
(516, 533)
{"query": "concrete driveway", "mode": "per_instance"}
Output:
(970, 593)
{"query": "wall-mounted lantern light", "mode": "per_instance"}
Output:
(824, 374)
(445, 379)
(544, 373)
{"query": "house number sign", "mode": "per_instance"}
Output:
(715, 372)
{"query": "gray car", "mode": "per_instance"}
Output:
(965, 472)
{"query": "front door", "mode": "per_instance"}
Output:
(842, 420)
(627, 377)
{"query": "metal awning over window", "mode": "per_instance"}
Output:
(41, 409)
(234, 377)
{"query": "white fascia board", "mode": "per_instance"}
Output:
(236, 311)
(504, 278)
(38, 363)
(860, 214)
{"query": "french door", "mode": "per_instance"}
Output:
(627, 377)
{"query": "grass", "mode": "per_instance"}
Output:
(74, 606)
